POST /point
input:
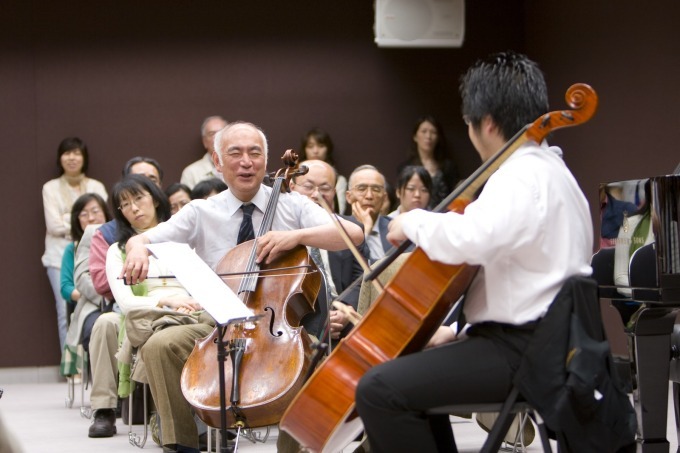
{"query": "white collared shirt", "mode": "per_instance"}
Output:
(211, 226)
(530, 229)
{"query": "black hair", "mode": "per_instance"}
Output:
(440, 153)
(508, 87)
(176, 187)
(407, 173)
(135, 160)
(69, 144)
(136, 185)
(322, 138)
(78, 206)
(205, 187)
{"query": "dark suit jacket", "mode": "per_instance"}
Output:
(344, 270)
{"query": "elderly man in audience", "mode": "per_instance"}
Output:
(204, 168)
(365, 195)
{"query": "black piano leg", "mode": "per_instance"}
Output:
(652, 359)
(676, 411)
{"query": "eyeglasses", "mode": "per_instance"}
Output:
(308, 187)
(127, 204)
(86, 214)
(363, 188)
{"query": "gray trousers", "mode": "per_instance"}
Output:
(164, 354)
(103, 348)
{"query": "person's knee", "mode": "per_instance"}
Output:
(105, 327)
(369, 389)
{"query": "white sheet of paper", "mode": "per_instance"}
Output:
(201, 281)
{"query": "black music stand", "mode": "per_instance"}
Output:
(221, 359)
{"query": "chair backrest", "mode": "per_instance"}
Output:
(643, 274)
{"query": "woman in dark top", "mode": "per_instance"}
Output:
(429, 150)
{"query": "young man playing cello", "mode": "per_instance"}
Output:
(529, 230)
(212, 228)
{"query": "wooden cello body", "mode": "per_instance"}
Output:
(408, 311)
(274, 352)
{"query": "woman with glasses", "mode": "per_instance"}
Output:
(428, 148)
(139, 206)
(59, 194)
(413, 189)
(88, 209)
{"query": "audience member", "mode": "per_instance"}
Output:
(139, 205)
(211, 227)
(207, 188)
(413, 189)
(106, 234)
(366, 195)
(340, 267)
(88, 209)
(317, 144)
(429, 149)
(204, 168)
(58, 197)
(179, 196)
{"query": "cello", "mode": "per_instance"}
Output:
(269, 358)
(412, 306)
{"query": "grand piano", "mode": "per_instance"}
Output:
(640, 228)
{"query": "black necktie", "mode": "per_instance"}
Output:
(246, 231)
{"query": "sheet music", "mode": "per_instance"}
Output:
(201, 281)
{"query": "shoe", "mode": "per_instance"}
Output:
(104, 424)
(486, 421)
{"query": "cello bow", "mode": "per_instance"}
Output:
(412, 306)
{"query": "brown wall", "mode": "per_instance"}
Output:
(137, 78)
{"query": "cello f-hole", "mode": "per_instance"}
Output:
(271, 323)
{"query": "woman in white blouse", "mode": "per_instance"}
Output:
(58, 197)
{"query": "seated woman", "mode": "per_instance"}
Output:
(139, 205)
(88, 209)
(317, 144)
(414, 187)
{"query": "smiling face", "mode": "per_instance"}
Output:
(139, 210)
(72, 162)
(243, 160)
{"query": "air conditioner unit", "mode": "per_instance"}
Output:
(419, 23)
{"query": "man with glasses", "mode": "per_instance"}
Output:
(366, 194)
(204, 167)
(341, 267)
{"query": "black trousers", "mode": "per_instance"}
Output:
(392, 398)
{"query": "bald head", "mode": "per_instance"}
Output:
(319, 181)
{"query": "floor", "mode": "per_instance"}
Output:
(37, 415)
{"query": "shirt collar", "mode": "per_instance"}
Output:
(259, 200)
